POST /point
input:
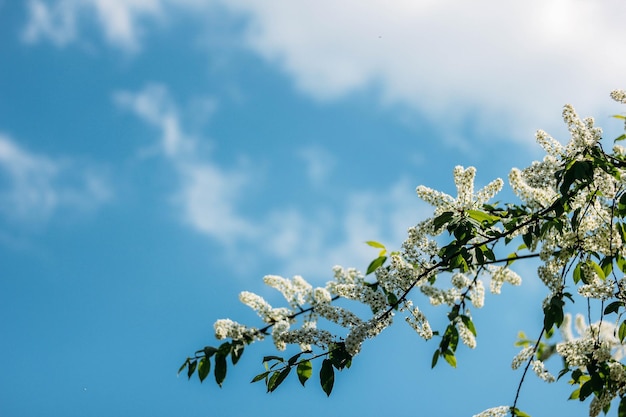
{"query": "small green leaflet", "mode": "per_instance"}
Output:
(519, 413)
(203, 368)
(481, 216)
(277, 378)
(450, 358)
(260, 376)
(220, 368)
(622, 331)
(327, 376)
(304, 371)
(375, 264)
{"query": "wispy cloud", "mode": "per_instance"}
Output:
(491, 66)
(319, 163)
(503, 69)
(34, 187)
(208, 194)
(58, 22)
(210, 198)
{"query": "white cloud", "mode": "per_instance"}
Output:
(34, 187)
(208, 193)
(210, 199)
(500, 66)
(56, 23)
(319, 163)
(496, 67)
(118, 19)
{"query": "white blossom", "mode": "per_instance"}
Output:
(541, 371)
(419, 323)
(226, 328)
(500, 275)
(522, 356)
(501, 411)
(466, 199)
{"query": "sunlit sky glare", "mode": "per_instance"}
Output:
(157, 157)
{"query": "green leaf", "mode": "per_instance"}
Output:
(575, 394)
(260, 376)
(236, 352)
(597, 269)
(203, 368)
(327, 376)
(375, 264)
(528, 239)
(620, 137)
(375, 244)
(607, 266)
(220, 368)
(622, 331)
(304, 371)
(277, 378)
(450, 358)
(209, 351)
(339, 357)
(613, 307)
(192, 368)
(272, 358)
(442, 219)
(518, 413)
(577, 274)
(183, 366)
(586, 390)
(469, 324)
(621, 263)
(482, 217)
(292, 361)
(435, 359)
(621, 410)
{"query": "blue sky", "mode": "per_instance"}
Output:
(158, 157)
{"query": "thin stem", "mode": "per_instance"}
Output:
(521, 382)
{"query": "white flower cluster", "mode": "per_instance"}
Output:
(550, 274)
(500, 275)
(367, 330)
(351, 285)
(338, 315)
(400, 276)
(598, 288)
(598, 339)
(467, 337)
(226, 328)
(466, 200)
(419, 323)
(535, 185)
(438, 296)
(263, 308)
(296, 291)
(306, 336)
(598, 403)
(364, 294)
(418, 247)
(541, 371)
(619, 96)
(501, 411)
(477, 293)
(522, 356)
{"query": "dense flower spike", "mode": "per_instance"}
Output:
(571, 220)
(466, 200)
(494, 412)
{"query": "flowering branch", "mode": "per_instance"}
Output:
(572, 218)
